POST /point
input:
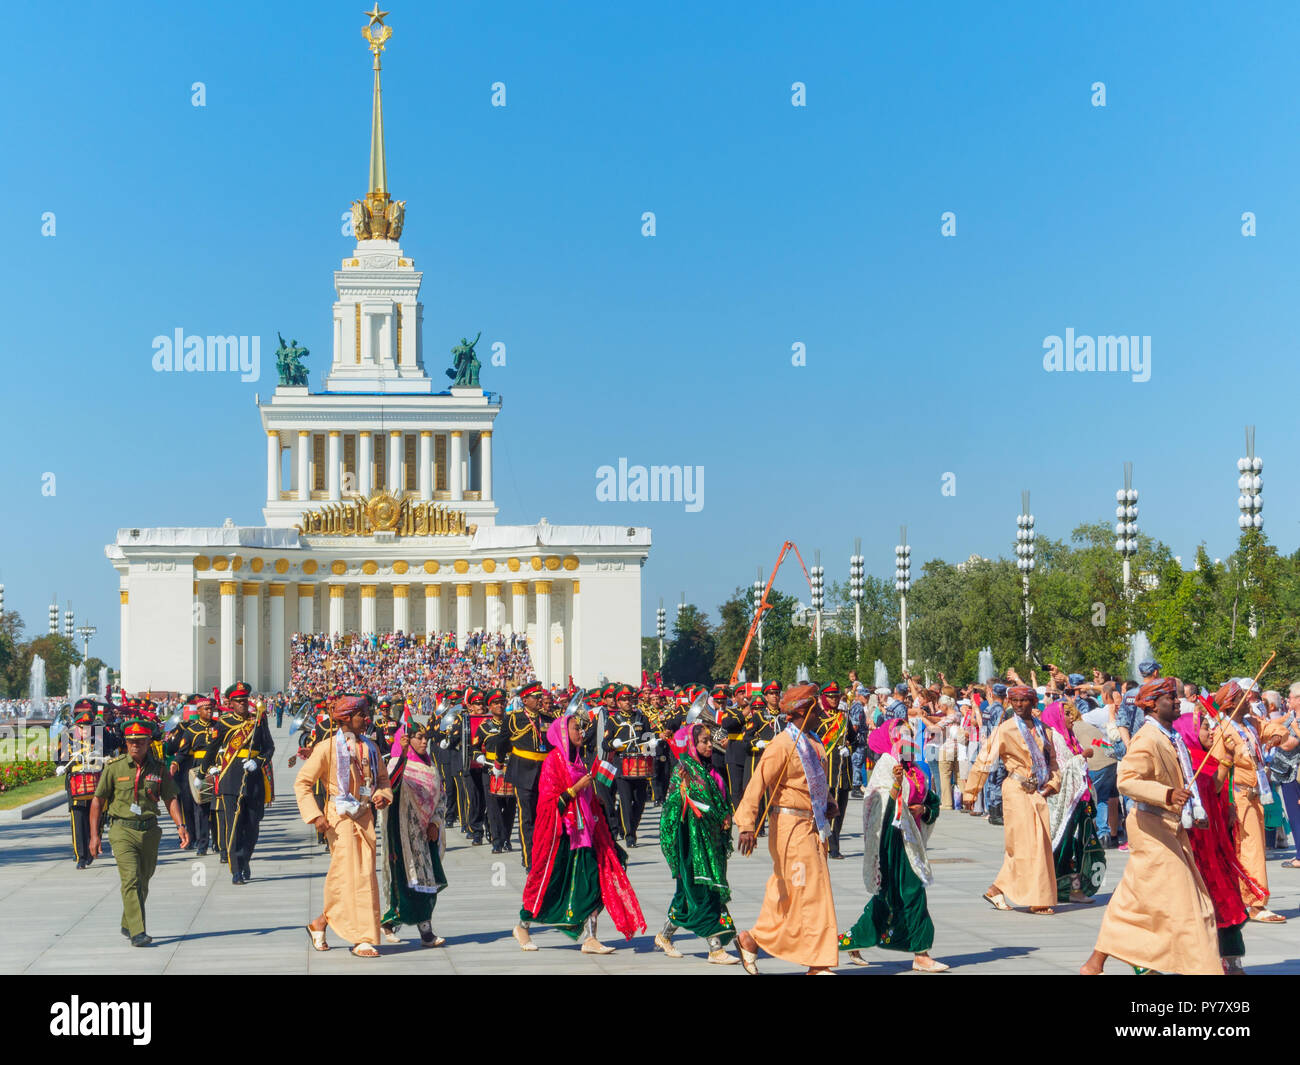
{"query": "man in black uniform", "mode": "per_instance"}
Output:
(472, 773)
(187, 747)
(80, 763)
(602, 729)
(720, 700)
(525, 743)
(385, 726)
(238, 757)
(491, 745)
(733, 718)
(624, 739)
(833, 733)
(446, 737)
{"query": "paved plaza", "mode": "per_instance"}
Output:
(59, 920)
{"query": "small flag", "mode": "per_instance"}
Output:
(605, 773)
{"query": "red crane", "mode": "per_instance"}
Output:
(763, 604)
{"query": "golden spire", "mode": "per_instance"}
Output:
(377, 217)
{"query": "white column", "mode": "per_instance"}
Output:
(253, 634)
(519, 607)
(365, 463)
(227, 634)
(272, 466)
(433, 609)
(402, 608)
(395, 462)
(333, 463)
(336, 608)
(455, 465)
(542, 648)
(124, 623)
(426, 465)
(575, 634)
(485, 464)
(464, 598)
(368, 627)
(304, 472)
(278, 680)
(306, 597)
(492, 614)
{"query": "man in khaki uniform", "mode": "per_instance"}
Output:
(129, 789)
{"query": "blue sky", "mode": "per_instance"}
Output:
(775, 225)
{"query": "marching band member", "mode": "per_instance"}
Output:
(525, 744)
(189, 743)
(624, 733)
(238, 758)
(499, 794)
(832, 733)
(81, 770)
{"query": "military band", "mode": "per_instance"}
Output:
(238, 757)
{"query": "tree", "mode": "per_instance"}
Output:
(689, 658)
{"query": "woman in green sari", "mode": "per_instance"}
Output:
(695, 836)
(413, 839)
(1072, 813)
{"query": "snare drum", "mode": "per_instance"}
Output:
(82, 785)
(498, 785)
(637, 767)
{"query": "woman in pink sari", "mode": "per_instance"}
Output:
(577, 870)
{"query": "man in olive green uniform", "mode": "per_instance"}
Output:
(130, 789)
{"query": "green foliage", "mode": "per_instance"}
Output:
(1199, 620)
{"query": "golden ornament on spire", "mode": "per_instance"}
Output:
(377, 217)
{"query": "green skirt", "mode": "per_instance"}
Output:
(1080, 854)
(896, 917)
(573, 893)
(406, 906)
(698, 907)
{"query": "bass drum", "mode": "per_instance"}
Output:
(201, 787)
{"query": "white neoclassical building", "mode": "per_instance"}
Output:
(379, 514)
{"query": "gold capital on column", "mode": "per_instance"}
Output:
(276, 591)
(464, 590)
(250, 587)
(519, 587)
(492, 588)
(227, 587)
(575, 587)
(338, 591)
(432, 591)
(401, 591)
(542, 587)
(122, 594)
(306, 590)
(368, 591)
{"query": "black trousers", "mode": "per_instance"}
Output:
(473, 784)
(451, 781)
(632, 794)
(241, 823)
(841, 798)
(79, 812)
(663, 770)
(202, 831)
(500, 813)
(609, 804)
(527, 798)
(189, 813)
(735, 778)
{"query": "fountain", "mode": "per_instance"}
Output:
(36, 687)
(103, 682)
(986, 670)
(801, 675)
(882, 675)
(1139, 650)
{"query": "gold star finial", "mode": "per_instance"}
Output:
(375, 15)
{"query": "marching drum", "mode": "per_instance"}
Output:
(82, 785)
(637, 766)
(500, 786)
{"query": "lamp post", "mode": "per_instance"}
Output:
(758, 611)
(1025, 537)
(1126, 512)
(818, 577)
(1250, 503)
(661, 628)
(87, 633)
(903, 584)
(857, 570)
(2, 600)
(68, 620)
(54, 617)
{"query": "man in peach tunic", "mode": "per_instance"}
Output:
(797, 922)
(1028, 873)
(354, 775)
(1161, 916)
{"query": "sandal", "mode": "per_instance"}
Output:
(364, 950)
(748, 959)
(998, 901)
(932, 966)
(428, 937)
(522, 937)
(317, 938)
(1267, 916)
(1293, 863)
(721, 957)
(390, 934)
(592, 945)
(1042, 911)
(856, 958)
(1080, 899)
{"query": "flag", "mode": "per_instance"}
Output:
(605, 773)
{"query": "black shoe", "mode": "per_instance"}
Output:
(81, 864)
(510, 846)
(125, 932)
(836, 854)
(497, 848)
(141, 940)
(236, 878)
(631, 841)
(201, 852)
(855, 793)
(223, 859)
(478, 841)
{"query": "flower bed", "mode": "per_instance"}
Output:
(16, 774)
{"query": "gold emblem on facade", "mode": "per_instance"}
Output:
(384, 512)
